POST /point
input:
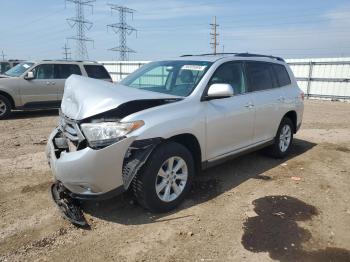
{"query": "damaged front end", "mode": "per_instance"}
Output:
(84, 172)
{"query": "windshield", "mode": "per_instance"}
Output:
(19, 69)
(170, 77)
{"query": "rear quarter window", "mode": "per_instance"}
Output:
(97, 71)
(260, 76)
(282, 75)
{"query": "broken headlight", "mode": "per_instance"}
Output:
(106, 133)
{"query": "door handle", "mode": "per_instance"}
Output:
(53, 83)
(249, 105)
(281, 98)
(47, 83)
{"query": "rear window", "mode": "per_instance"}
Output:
(259, 76)
(4, 66)
(281, 75)
(96, 71)
(63, 71)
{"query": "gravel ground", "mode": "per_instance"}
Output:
(253, 208)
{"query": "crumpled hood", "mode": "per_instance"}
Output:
(84, 97)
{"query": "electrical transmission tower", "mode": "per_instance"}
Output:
(123, 29)
(3, 55)
(214, 36)
(81, 25)
(67, 54)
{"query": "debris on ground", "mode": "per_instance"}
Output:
(41, 142)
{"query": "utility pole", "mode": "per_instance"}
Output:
(123, 29)
(81, 25)
(3, 55)
(214, 41)
(66, 52)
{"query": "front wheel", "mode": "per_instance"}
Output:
(5, 107)
(165, 179)
(283, 139)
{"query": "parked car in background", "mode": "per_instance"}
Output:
(40, 85)
(7, 65)
(164, 123)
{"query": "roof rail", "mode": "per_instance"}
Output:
(258, 55)
(69, 60)
(241, 55)
(210, 54)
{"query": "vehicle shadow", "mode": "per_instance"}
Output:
(211, 183)
(32, 114)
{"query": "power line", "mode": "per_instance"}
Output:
(214, 35)
(66, 53)
(123, 29)
(82, 25)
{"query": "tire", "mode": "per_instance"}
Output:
(280, 149)
(5, 107)
(145, 182)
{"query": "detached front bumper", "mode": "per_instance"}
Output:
(89, 173)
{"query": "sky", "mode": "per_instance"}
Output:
(38, 29)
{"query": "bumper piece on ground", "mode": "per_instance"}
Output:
(68, 206)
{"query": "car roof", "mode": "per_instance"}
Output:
(233, 56)
(62, 61)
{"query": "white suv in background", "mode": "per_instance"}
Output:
(164, 123)
(39, 85)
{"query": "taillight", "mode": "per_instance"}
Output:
(302, 96)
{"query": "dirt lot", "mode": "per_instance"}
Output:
(249, 209)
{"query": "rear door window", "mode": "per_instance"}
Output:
(260, 76)
(97, 71)
(282, 75)
(4, 66)
(63, 71)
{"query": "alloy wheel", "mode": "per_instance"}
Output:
(3, 108)
(171, 179)
(285, 138)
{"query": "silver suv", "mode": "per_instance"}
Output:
(39, 85)
(164, 123)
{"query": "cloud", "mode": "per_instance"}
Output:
(168, 9)
(322, 35)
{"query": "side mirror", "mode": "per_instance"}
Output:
(219, 91)
(29, 76)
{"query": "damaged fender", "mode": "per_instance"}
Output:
(136, 157)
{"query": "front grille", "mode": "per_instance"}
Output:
(70, 129)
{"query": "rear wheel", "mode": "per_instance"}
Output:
(165, 179)
(5, 107)
(283, 139)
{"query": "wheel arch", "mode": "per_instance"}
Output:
(292, 115)
(9, 97)
(192, 144)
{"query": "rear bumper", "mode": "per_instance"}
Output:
(89, 173)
